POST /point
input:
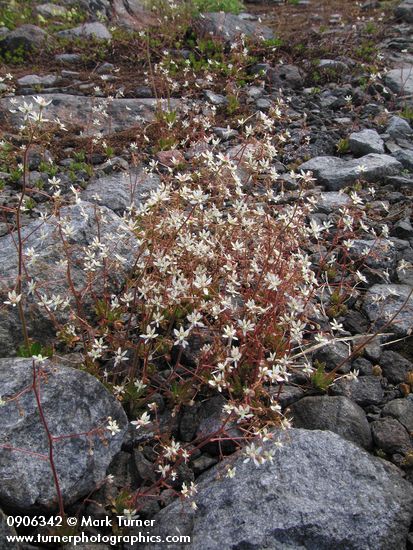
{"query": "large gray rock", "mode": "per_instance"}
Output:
(50, 273)
(332, 201)
(405, 157)
(282, 76)
(320, 492)
(402, 410)
(6, 531)
(336, 414)
(79, 111)
(365, 142)
(87, 30)
(229, 26)
(131, 14)
(382, 302)
(395, 367)
(399, 128)
(404, 11)
(336, 173)
(375, 256)
(400, 80)
(334, 354)
(36, 80)
(364, 390)
(121, 190)
(73, 401)
(51, 10)
(25, 38)
(390, 436)
(95, 9)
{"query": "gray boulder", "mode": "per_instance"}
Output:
(331, 201)
(365, 142)
(401, 410)
(336, 173)
(383, 302)
(79, 111)
(131, 14)
(24, 38)
(400, 80)
(121, 190)
(50, 274)
(229, 26)
(6, 531)
(336, 414)
(405, 157)
(285, 75)
(399, 128)
(87, 30)
(390, 436)
(319, 492)
(51, 10)
(394, 366)
(333, 355)
(364, 390)
(375, 254)
(36, 80)
(73, 402)
(404, 11)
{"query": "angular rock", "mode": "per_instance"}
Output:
(25, 37)
(334, 64)
(334, 413)
(97, 8)
(383, 302)
(336, 173)
(285, 75)
(403, 228)
(401, 410)
(35, 80)
(87, 30)
(121, 190)
(6, 531)
(390, 436)
(365, 390)
(365, 142)
(287, 395)
(72, 401)
(333, 355)
(331, 201)
(78, 111)
(395, 367)
(229, 26)
(51, 10)
(400, 80)
(50, 275)
(131, 14)
(213, 420)
(374, 253)
(215, 99)
(405, 157)
(317, 493)
(404, 11)
(399, 128)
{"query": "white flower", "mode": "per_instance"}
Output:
(230, 332)
(42, 102)
(144, 420)
(273, 281)
(150, 334)
(120, 356)
(181, 336)
(14, 298)
(112, 426)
